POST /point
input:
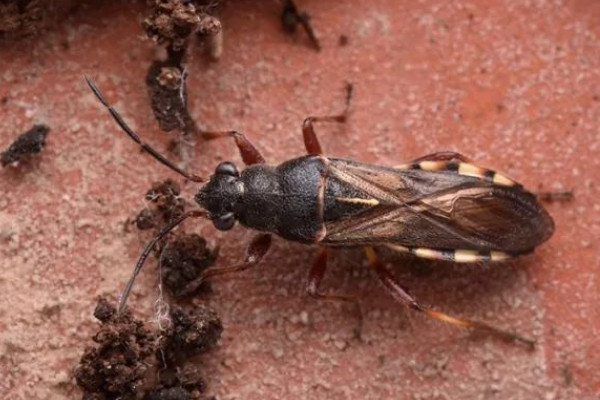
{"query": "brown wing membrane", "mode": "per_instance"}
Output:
(440, 210)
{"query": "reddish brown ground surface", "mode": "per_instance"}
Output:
(514, 85)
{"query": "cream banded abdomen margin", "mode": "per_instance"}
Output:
(458, 255)
(461, 168)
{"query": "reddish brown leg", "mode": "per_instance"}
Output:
(315, 276)
(249, 153)
(291, 17)
(311, 142)
(565, 195)
(406, 299)
(255, 251)
(443, 156)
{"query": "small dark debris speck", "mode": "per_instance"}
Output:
(30, 142)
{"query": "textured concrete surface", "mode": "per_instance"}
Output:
(514, 85)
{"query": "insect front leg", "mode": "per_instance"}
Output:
(400, 294)
(256, 250)
(311, 142)
(249, 153)
(315, 276)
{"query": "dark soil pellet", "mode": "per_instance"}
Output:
(192, 332)
(145, 220)
(28, 143)
(168, 96)
(183, 260)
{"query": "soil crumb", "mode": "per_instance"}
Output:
(173, 22)
(168, 96)
(191, 333)
(116, 367)
(129, 361)
(20, 17)
(166, 205)
(183, 260)
(27, 144)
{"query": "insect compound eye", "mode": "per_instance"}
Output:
(227, 168)
(225, 222)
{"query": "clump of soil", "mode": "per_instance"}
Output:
(183, 260)
(27, 144)
(130, 361)
(166, 205)
(116, 367)
(192, 332)
(183, 257)
(20, 17)
(173, 22)
(167, 89)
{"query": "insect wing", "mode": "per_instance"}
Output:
(437, 210)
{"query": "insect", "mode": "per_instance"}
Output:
(439, 206)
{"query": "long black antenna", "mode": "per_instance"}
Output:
(149, 149)
(138, 266)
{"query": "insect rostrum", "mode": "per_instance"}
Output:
(439, 206)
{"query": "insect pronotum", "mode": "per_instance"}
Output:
(439, 206)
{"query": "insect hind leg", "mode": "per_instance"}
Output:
(316, 275)
(401, 295)
(564, 195)
(311, 142)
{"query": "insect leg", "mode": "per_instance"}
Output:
(256, 250)
(311, 142)
(249, 153)
(315, 276)
(148, 250)
(565, 195)
(406, 299)
(149, 149)
(443, 156)
(291, 17)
